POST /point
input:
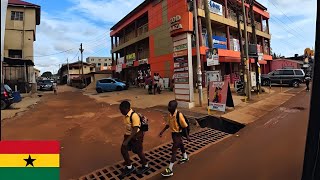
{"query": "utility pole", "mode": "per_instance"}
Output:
(311, 165)
(243, 67)
(68, 80)
(254, 41)
(247, 60)
(79, 66)
(81, 50)
(208, 24)
(199, 73)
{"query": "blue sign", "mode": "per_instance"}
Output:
(219, 42)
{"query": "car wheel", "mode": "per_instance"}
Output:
(295, 84)
(3, 105)
(99, 90)
(266, 82)
(119, 88)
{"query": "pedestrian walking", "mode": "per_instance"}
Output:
(133, 139)
(156, 79)
(177, 123)
(307, 80)
(55, 88)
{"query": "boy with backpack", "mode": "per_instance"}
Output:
(179, 127)
(135, 126)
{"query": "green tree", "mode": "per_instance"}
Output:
(47, 74)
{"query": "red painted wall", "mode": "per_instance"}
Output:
(279, 64)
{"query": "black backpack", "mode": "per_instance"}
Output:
(185, 131)
(143, 121)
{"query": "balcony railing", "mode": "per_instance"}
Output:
(142, 29)
(133, 34)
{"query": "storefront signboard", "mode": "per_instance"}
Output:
(215, 8)
(219, 42)
(180, 47)
(120, 60)
(131, 56)
(213, 57)
(213, 76)
(119, 68)
(143, 61)
(180, 53)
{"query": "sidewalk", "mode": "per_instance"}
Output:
(270, 148)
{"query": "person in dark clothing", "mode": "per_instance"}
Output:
(307, 80)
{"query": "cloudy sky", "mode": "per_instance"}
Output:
(65, 24)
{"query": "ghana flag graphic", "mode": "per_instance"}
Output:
(34, 160)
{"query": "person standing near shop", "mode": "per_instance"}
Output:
(156, 79)
(307, 80)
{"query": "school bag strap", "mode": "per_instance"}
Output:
(178, 120)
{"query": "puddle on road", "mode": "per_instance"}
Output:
(220, 124)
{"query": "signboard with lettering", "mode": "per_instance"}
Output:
(180, 47)
(143, 61)
(119, 68)
(131, 56)
(215, 8)
(120, 60)
(175, 23)
(219, 42)
(180, 53)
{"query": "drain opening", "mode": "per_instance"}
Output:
(220, 124)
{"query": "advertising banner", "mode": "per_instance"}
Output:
(119, 68)
(219, 42)
(212, 76)
(120, 60)
(218, 95)
(215, 8)
(212, 57)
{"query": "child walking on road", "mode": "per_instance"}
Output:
(176, 129)
(133, 140)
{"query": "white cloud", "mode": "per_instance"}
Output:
(292, 25)
(85, 22)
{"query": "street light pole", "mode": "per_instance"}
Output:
(199, 73)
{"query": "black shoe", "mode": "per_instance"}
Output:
(126, 171)
(143, 170)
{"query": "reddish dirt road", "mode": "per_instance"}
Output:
(90, 132)
(272, 148)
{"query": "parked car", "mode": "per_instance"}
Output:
(109, 84)
(292, 77)
(6, 96)
(45, 85)
(127, 83)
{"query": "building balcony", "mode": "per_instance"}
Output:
(141, 31)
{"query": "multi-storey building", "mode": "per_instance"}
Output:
(101, 63)
(142, 39)
(20, 33)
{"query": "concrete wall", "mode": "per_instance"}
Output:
(19, 35)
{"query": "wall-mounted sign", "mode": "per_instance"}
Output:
(175, 23)
(119, 68)
(183, 59)
(143, 61)
(219, 42)
(120, 60)
(181, 69)
(129, 63)
(180, 47)
(212, 57)
(180, 53)
(181, 80)
(215, 8)
(131, 56)
(181, 75)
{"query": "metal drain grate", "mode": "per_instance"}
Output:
(159, 157)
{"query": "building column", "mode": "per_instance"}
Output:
(262, 44)
(112, 58)
(261, 23)
(228, 36)
(267, 21)
(116, 41)
(136, 28)
(226, 13)
(112, 45)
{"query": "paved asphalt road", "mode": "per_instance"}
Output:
(272, 148)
